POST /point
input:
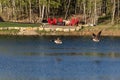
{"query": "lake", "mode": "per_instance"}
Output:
(78, 58)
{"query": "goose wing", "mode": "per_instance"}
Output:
(93, 35)
(99, 33)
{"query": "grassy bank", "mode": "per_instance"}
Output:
(107, 30)
(9, 32)
(16, 24)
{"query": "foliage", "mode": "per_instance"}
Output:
(13, 9)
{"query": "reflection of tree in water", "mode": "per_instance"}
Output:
(112, 54)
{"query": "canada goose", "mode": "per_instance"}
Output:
(58, 41)
(96, 38)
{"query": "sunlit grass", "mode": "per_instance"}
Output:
(102, 27)
(13, 31)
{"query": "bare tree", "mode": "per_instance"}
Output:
(66, 14)
(48, 8)
(43, 10)
(95, 13)
(84, 11)
(30, 16)
(113, 12)
(13, 10)
(0, 8)
(39, 9)
(118, 9)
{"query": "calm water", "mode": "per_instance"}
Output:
(78, 58)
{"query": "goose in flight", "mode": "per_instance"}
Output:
(96, 37)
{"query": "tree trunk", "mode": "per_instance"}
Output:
(95, 13)
(66, 14)
(118, 9)
(46, 13)
(20, 8)
(26, 11)
(13, 10)
(84, 12)
(113, 13)
(75, 7)
(91, 15)
(0, 8)
(30, 17)
(43, 10)
(39, 9)
(48, 9)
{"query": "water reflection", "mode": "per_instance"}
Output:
(78, 58)
(70, 67)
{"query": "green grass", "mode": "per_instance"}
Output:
(15, 24)
(13, 31)
(114, 27)
(102, 27)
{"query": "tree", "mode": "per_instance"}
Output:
(88, 9)
(0, 8)
(84, 10)
(30, 17)
(67, 8)
(118, 10)
(113, 12)
(95, 13)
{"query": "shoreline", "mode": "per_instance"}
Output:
(59, 31)
(80, 33)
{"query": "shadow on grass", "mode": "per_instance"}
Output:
(104, 19)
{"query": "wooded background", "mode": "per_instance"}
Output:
(89, 11)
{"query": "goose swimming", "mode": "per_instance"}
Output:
(96, 37)
(58, 41)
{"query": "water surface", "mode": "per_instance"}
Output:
(78, 58)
